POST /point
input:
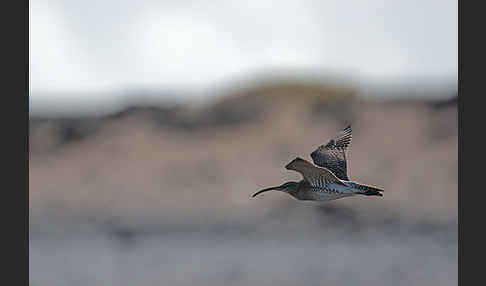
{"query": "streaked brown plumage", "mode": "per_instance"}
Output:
(327, 179)
(332, 155)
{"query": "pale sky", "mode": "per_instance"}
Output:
(100, 46)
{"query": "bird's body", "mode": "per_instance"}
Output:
(328, 180)
(306, 192)
(332, 191)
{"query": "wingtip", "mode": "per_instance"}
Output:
(293, 161)
(348, 128)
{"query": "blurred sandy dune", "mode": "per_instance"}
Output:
(195, 161)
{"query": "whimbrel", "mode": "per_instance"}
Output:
(328, 180)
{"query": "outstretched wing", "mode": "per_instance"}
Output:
(332, 154)
(316, 176)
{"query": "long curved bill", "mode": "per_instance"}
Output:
(266, 190)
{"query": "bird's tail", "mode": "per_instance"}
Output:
(367, 190)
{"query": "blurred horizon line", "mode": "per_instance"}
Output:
(62, 103)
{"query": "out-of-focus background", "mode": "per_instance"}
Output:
(153, 122)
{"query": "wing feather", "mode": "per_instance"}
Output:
(332, 155)
(315, 176)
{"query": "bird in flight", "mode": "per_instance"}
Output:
(326, 180)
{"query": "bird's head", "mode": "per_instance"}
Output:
(288, 187)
